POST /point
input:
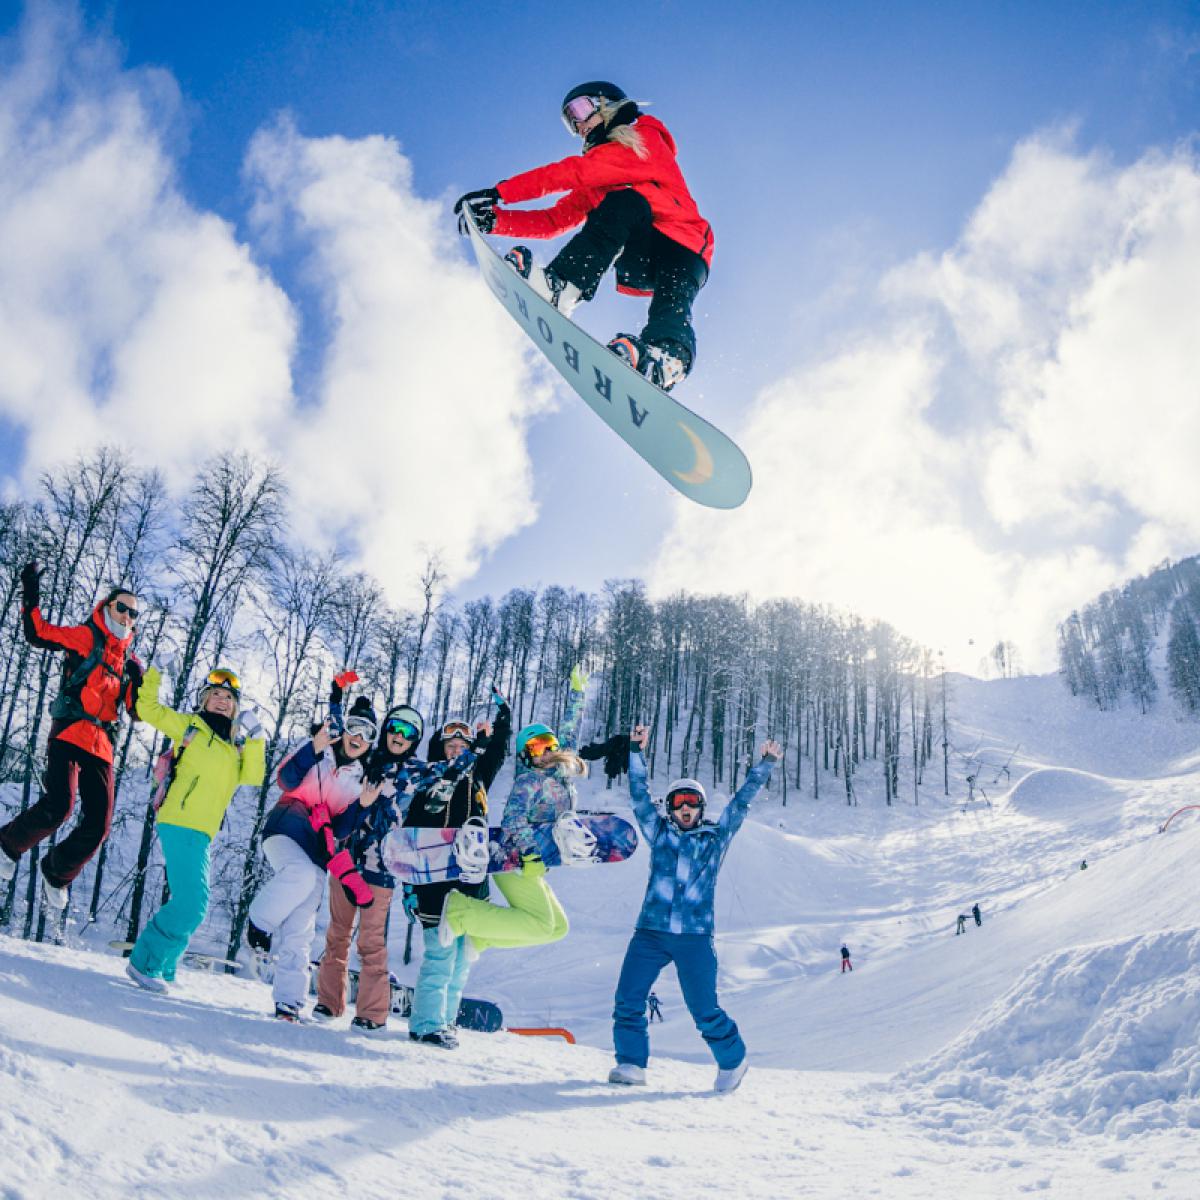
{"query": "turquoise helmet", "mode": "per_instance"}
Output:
(530, 731)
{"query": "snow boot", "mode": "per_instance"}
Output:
(288, 1012)
(443, 1039)
(662, 365)
(628, 1074)
(369, 1028)
(257, 939)
(55, 898)
(323, 1013)
(558, 293)
(727, 1081)
(146, 982)
(8, 868)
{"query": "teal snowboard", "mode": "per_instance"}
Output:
(693, 456)
(427, 855)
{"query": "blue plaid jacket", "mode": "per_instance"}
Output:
(684, 866)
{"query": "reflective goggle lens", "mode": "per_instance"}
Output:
(453, 729)
(406, 729)
(542, 744)
(686, 800)
(360, 727)
(578, 111)
(222, 677)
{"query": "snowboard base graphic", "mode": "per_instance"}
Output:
(692, 455)
(427, 855)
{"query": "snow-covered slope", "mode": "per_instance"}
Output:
(1053, 1048)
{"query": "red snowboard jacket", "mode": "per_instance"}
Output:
(110, 687)
(588, 177)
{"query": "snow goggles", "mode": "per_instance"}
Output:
(682, 799)
(222, 677)
(360, 727)
(542, 743)
(405, 729)
(577, 111)
(456, 729)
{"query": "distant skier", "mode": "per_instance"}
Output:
(654, 1007)
(630, 195)
(1083, 865)
(976, 914)
(676, 921)
(847, 965)
(100, 677)
(215, 750)
(962, 924)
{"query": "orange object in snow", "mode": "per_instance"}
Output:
(565, 1034)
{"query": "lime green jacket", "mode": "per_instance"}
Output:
(208, 772)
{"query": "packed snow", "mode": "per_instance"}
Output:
(1055, 1048)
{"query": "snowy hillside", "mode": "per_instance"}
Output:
(1053, 1048)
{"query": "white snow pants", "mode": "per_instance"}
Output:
(286, 907)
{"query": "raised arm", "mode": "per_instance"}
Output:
(568, 733)
(735, 811)
(492, 758)
(639, 787)
(165, 720)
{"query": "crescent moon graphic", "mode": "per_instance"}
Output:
(702, 470)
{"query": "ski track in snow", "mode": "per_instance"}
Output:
(1054, 1050)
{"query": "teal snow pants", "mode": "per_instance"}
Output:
(166, 937)
(440, 985)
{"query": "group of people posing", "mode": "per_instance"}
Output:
(342, 791)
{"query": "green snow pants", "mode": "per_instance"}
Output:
(533, 916)
(163, 941)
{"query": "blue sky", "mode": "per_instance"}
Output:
(832, 147)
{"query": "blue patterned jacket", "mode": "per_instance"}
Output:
(540, 797)
(684, 866)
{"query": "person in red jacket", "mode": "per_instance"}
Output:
(628, 192)
(100, 677)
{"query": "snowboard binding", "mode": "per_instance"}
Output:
(575, 841)
(656, 363)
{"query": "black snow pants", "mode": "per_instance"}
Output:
(649, 261)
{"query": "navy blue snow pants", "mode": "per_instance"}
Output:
(695, 959)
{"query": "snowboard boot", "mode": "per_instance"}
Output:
(288, 1012)
(627, 1074)
(727, 1081)
(369, 1028)
(558, 293)
(323, 1013)
(8, 868)
(146, 982)
(55, 898)
(257, 939)
(443, 1039)
(664, 366)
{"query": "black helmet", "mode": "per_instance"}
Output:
(597, 89)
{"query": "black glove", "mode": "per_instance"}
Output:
(31, 585)
(616, 757)
(482, 205)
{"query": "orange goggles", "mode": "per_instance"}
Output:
(222, 677)
(543, 743)
(678, 800)
(456, 729)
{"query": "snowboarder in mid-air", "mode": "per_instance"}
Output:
(628, 191)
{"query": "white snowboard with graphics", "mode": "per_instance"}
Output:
(693, 456)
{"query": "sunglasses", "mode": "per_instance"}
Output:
(544, 743)
(578, 111)
(456, 729)
(680, 800)
(405, 729)
(360, 727)
(223, 677)
(122, 607)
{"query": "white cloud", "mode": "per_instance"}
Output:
(1018, 433)
(417, 441)
(129, 316)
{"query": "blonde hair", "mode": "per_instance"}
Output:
(567, 759)
(624, 135)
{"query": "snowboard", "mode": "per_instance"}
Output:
(691, 454)
(191, 958)
(480, 1015)
(427, 855)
